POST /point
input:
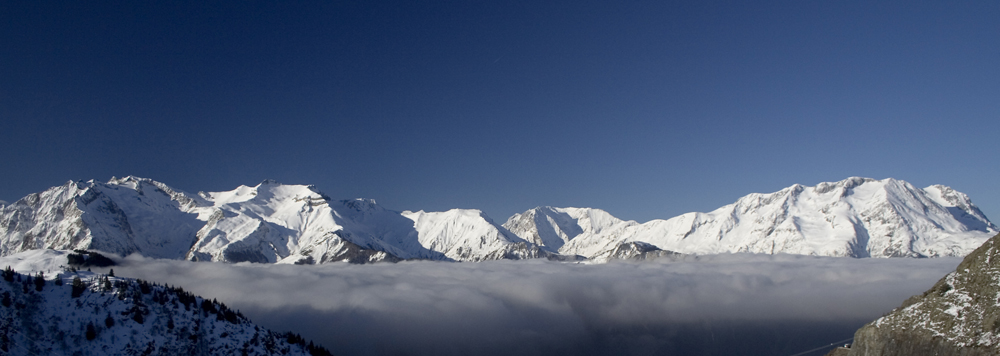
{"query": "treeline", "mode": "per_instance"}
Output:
(140, 294)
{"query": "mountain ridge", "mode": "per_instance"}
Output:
(855, 217)
(278, 223)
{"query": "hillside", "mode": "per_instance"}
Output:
(959, 315)
(81, 313)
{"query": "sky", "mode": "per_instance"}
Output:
(646, 109)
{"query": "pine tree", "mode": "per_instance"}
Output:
(39, 282)
(78, 287)
(109, 321)
(111, 273)
(8, 274)
(91, 331)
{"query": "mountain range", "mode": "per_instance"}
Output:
(279, 223)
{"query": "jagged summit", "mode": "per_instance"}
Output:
(267, 223)
(282, 223)
(552, 228)
(469, 235)
(856, 217)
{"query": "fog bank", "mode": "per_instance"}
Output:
(710, 305)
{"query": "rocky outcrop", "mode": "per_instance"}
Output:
(959, 315)
(840, 351)
(636, 251)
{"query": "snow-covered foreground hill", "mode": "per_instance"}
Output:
(856, 217)
(297, 224)
(695, 305)
(46, 310)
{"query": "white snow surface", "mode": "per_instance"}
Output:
(278, 223)
(856, 217)
(468, 235)
(267, 223)
(553, 228)
(125, 318)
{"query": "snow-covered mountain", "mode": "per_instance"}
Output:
(60, 312)
(552, 228)
(469, 235)
(267, 223)
(279, 223)
(857, 217)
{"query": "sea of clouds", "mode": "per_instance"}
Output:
(708, 305)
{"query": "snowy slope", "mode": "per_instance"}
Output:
(120, 316)
(266, 223)
(552, 228)
(273, 222)
(469, 235)
(122, 216)
(279, 223)
(857, 217)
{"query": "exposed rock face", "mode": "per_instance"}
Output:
(840, 351)
(636, 251)
(960, 315)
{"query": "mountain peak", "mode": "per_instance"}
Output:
(858, 217)
(856, 181)
(268, 182)
(273, 222)
(362, 204)
(126, 179)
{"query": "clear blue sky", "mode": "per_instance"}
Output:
(645, 109)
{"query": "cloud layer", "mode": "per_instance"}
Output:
(729, 304)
